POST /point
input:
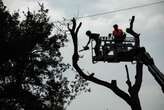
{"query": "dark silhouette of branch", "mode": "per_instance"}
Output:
(131, 23)
(133, 33)
(138, 77)
(157, 74)
(134, 90)
(128, 82)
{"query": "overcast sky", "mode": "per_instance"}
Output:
(149, 22)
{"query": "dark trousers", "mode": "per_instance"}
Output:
(97, 48)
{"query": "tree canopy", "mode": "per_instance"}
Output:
(31, 67)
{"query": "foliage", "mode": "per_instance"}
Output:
(31, 67)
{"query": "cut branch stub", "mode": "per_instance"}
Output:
(133, 33)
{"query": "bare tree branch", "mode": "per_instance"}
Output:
(77, 30)
(131, 23)
(128, 82)
(113, 86)
(138, 77)
(74, 23)
(133, 33)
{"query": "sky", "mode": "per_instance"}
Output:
(149, 23)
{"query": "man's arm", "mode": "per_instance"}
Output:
(88, 42)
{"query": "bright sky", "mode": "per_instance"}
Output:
(149, 22)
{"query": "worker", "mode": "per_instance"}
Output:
(118, 34)
(95, 37)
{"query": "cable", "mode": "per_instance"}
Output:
(37, 2)
(123, 9)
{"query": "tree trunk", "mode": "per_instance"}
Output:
(136, 104)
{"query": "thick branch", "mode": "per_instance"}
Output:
(138, 78)
(113, 86)
(134, 90)
(74, 23)
(74, 32)
(133, 33)
(77, 30)
(131, 23)
(128, 82)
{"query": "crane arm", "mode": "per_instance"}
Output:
(156, 73)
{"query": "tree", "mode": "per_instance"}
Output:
(31, 67)
(132, 97)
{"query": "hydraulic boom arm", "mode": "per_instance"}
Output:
(148, 61)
